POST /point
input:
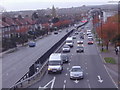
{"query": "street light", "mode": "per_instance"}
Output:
(101, 15)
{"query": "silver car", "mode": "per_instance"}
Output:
(76, 72)
(66, 48)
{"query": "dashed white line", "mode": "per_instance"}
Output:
(89, 86)
(87, 80)
(64, 87)
(64, 81)
(86, 67)
(66, 74)
(67, 68)
(69, 63)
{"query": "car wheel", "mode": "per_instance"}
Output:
(49, 72)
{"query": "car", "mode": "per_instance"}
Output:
(90, 42)
(60, 30)
(76, 72)
(66, 48)
(74, 37)
(55, 32)
(80, 42)
(76, 33)
(32, 44)
(65, 58)
(80, 48)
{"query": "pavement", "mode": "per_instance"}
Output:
(112, 68)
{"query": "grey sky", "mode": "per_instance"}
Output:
(16, 5)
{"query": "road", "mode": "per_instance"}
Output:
(16, 64)
(95, 73)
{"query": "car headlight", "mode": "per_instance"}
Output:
(49, 69)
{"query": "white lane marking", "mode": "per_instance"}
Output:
(52, 81)
(99, 79)
(69, 63)
(86, 67)
(6, 74)
(89, 86)
(64, 81)
(76, 81)
(85, 63)
(87, 80)
(110, 77)
(67, 68)
(66, 74)
(64, 87)
(87, 73)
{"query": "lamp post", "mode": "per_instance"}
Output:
(101, 15)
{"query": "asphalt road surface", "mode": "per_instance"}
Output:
(16, 64)
(95, 73)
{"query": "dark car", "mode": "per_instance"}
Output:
(65, 58)
(80, 49)
(32, 44)
(55, 32)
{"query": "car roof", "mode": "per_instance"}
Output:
(76, 66)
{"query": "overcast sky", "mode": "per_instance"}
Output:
(17, 5)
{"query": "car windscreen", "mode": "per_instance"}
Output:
(64, 56)
(69, 41)
(76, 69)
(54, 62)
(66, 47)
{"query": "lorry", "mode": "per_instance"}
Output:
(55, 63)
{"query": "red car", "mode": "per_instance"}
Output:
(90, 42)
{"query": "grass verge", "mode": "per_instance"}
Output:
(104, 50)
(110, 60)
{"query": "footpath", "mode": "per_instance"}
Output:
(112, 68)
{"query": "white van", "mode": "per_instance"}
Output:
(69, 41)
(55, 63)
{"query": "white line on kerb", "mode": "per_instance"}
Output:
(110, 76)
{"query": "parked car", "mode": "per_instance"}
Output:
(32, 44)
(80, 48)
(66, 48)
(76, 72)
(65, 58)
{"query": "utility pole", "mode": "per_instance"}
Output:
(101, 19)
